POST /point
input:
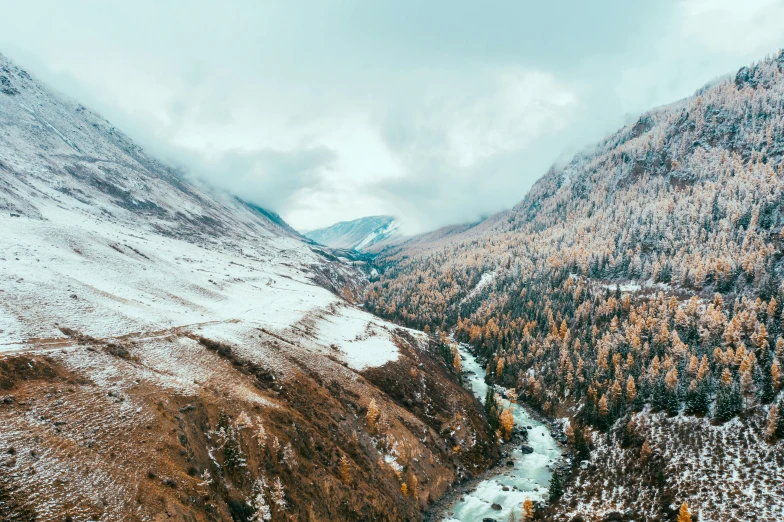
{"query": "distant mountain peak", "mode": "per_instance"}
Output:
(358, 234)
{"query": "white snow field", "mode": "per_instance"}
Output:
(102, 239)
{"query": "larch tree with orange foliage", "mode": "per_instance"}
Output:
(372, 415)
(683, 513)
(528, 511)
(507, 423)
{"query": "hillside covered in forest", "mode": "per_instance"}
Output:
(637, 291)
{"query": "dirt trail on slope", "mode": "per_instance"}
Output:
(73, 338)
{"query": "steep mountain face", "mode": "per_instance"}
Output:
(170, 352)
(637, 291)
(360, 234)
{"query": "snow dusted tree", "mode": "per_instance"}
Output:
(206, 478)
(645, 452)
(372, 416)
(233, 457)
(276, 450)
(258, 503)
(243, 420)
(582, 438)
(779, 433)
(229, 441)
(764, 374)
(728, 399)
(279, 495)
(289, 457)
(569, 433)
(773, 419)
(260, 433)
(697, 401)
(746, 385)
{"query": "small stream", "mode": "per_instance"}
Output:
(530, 476)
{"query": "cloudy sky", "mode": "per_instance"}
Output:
(438, 111)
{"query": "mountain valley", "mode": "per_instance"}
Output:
(169, 351)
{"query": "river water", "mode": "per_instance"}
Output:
(530, 476)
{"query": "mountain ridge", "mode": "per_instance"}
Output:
(636, 292)
(357, 234)
(171, 352)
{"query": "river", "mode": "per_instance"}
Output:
(530, 476)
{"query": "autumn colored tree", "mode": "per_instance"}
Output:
(683, 513)
(775, 375)
(345, 474)
(372, 415)
(604, 412)
(645, 452)
(773, 419)
(527, 514)
(507, 423)
(414, 481)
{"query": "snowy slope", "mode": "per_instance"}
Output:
(359, 234)
(140, 309)
(97, 236)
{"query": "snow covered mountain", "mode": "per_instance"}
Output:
(636, 292)
(358, 234)
(169, 351)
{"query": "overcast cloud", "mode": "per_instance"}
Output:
(438, 112)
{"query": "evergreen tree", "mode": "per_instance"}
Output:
(643, 393)
(728, 400)
(660, 396)
(779, 431)
(258, 502)
(232, 451)
(697, 401)
(581, 447)
(765, 389)
(556, 487)
(492, 409)
(673, 404)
